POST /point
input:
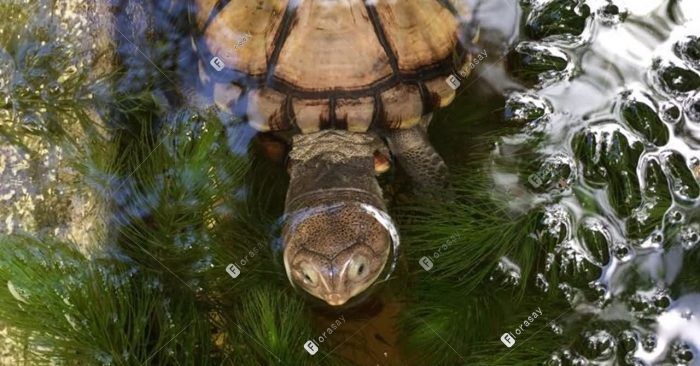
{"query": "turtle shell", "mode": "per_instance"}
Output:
(318, 64)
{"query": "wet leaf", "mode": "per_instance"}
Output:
(528, 61)
(644, 120)
(596, 239)
(678, 79)
(684, 184)
(558, 17)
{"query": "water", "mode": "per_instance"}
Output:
(605, 114)
(597, 113)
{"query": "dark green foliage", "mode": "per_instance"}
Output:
(597, 241)
(644, 119)
(187, 202)
(558, 17)
(71, 310)
(682, 178)
(678, 79)
(528, 62)
(611, 161)
(657, 200)
(466, 237)
(689, 50)
(523, 110)
(41, 86)
(462, 300)
(452, 327)
(265, 329)
(170, 207)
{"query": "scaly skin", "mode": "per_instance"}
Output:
(334, 248)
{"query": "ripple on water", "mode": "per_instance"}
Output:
(634, 148)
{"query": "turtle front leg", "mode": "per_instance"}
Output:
(418, 157)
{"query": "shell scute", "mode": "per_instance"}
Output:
(316, 64)
(332, 47)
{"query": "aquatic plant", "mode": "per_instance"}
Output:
(523, 229)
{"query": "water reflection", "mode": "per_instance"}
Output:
(628, 71)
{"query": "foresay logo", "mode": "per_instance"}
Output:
(234, 269)
(508, 338)
(243, 39)
(219, 64)
(312, 347)
(427, 263)
(216, 63)
(538, 178)
(453, 81)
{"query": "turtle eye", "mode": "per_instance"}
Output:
(308, 275)
(359, 268)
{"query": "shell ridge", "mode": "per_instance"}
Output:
(290, 14)
(381, 36)
(426, 98)
(218, 7)
(378, 112)
(449, 6)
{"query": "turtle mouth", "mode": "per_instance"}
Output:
(335, 299)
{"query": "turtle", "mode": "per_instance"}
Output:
(355, 83)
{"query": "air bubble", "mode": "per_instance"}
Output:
(676, 217)
(670, 113)
(675, 79)
(681, 353)
(628, 340)
(610, 14)
(688, 50)
(600, 290)
(541, 282)
(556, 328)
(18, 293)
(649, 343)
(600, 345)
(622, 251)
(526, 108)
(692, 108)
(571, 294)
(509, 271)
(568, 358)
(689, 237)
(103, 358)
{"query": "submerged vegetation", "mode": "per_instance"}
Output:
(175, 196)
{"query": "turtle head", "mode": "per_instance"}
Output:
(336, 251)
(337, 236)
